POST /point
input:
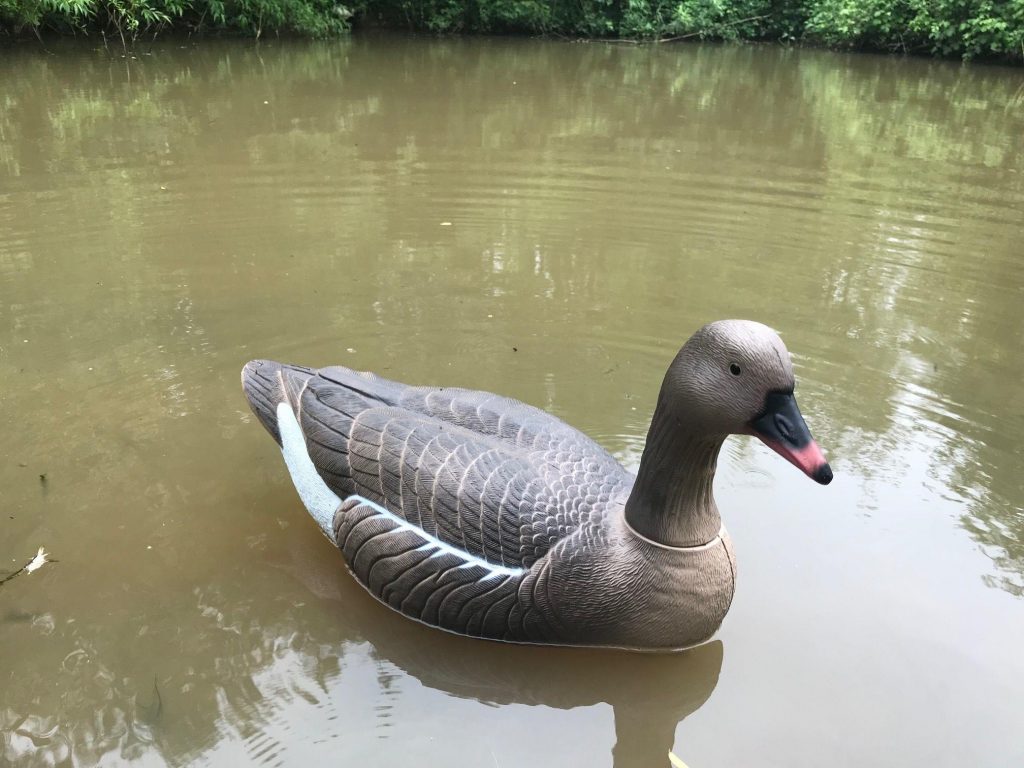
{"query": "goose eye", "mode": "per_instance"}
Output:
(734, 369)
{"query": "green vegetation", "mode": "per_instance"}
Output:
(130, 19)
(966, 28)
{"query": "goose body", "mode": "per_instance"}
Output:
(484, 516)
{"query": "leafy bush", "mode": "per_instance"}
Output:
(967, 28)
(130, 18)
(723, 20)
(972, 27)
(316, 18)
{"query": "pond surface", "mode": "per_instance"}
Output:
(549, 221)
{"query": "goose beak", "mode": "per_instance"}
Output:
(782, 428)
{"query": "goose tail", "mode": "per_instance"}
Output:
(273, 391)
(268, 384)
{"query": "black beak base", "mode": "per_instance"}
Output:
(783, 429)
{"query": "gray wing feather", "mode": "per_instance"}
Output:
(415, 574)
(496, 478)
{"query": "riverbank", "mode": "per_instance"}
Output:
(968, 29)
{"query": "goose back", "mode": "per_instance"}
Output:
(493, 477)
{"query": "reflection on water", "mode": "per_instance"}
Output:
(276, 673)
(544, 220)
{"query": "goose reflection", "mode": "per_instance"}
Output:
(650, 694)
(242, 685)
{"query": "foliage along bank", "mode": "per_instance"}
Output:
(965, 28)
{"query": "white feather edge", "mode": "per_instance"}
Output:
(322, 502)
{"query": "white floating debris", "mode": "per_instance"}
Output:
(446, 223)
(266, 102)
(350, 350)
(38, 561)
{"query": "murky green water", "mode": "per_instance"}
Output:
(549, 221)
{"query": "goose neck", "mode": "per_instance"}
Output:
(672, 501)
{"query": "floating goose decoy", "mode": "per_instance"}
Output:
(487, 517)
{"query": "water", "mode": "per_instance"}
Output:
(546, 220)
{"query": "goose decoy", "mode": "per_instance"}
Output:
(487, 517)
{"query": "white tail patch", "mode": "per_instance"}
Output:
(320, 500)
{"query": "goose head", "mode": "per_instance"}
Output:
(736, 377)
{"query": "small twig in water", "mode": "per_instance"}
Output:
(687, 36)
(702, 31)
(159, 699)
